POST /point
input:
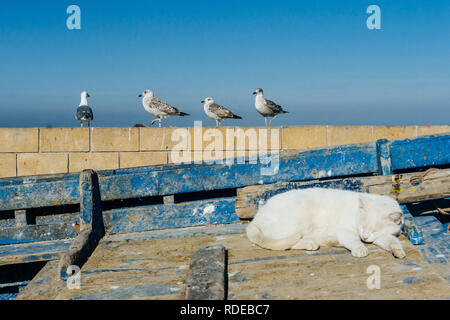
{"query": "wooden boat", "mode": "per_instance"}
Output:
(176, 231)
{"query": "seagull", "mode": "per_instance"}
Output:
(217, 112)
(84, 113)
(266, 107)
(158, 108)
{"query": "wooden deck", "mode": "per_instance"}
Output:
(155, 265)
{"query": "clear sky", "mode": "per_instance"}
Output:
(316, 58)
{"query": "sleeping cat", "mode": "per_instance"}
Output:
(310, 218)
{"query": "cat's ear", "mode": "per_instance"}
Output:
(396, 217)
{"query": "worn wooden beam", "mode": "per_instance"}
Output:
(20, 217)
(436, 239)
(410, 187)
(207, 274)
(32, 252)
(91, 224)
(37, 233)
(384, 157)
(329, 162)
(164, 216)
(420, 152)
(44, 286)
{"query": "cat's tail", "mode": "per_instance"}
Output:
(256, 236)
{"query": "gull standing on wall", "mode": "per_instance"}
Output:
(84, 112)
(217, 112)
(158, 108)
(266, 107)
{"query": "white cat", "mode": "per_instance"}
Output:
(310, 218)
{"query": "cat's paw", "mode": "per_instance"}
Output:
(303, 244)
(360, 252)
(398, 253)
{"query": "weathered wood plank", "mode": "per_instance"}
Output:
(35, 195)
(420, 152)
(31, 252)
(384, 157)
(207, 272)
(433, 185)
(91, 224)
(44, 286)
(37, 233)
(38, 179)
(332, 162)
(437, 239)
(165, 216)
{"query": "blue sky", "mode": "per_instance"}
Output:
(316, 58)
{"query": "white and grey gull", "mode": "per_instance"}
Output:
(84, 112)
(158, 108)
(267, 108)
(217, 112)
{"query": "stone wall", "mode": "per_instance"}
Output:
(37, 151)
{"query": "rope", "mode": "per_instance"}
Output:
(418, 179)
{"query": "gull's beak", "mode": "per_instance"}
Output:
(88, 95)
(140, 95)
(254, 92)
(203, 101)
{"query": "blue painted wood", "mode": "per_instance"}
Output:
(7, 223)
(36, 233)
(384, 157)
(14, 284)
(91, 224)
(175, 233)
(70, 218)
(37, 179)
(35, 195)
(420, 152)
(333, 162)
(31, 252)
(410, 228)
(145, 291)
(437, 240)
(126, 220)
(87, 197)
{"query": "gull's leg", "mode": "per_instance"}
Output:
(270, 123)
(217, 123)
(265, 119)
(160, 120)
(81, 122)
(89, 124)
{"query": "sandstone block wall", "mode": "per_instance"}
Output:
(38, 151)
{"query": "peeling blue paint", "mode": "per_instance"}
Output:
(131, 292)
